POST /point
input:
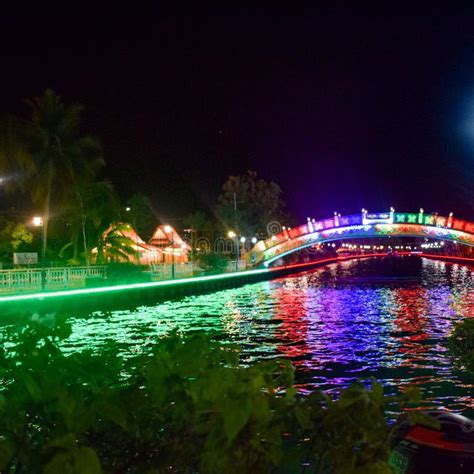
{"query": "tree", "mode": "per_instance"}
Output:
(113, 245)
(461, 345)
(96, 209)
(139, 212)
(258, 203)
(213, 262)
(48, 155)
(201, 227)
(13, 237)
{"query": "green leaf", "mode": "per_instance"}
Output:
(377, 390)
(302, 415)
(64, 442)
(75, 461)
(7, 449)
(420, 418)
(291, 392)
(413, 394)
(31, 385)
(114, 413)
(236, 415)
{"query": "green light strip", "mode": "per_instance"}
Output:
(108, 289)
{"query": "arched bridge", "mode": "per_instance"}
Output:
(364, 225)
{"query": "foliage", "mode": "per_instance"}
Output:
(141, 215)
(259, 203)
(13, 237)
(185, 405)
(203, 230)
(461, 345)
(114, 245)
(127, 272)
(212, 262)
(96, 208)
(48, 155)
(351, 434)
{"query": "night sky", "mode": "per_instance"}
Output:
(344, 108)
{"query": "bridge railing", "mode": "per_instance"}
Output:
(311, 227)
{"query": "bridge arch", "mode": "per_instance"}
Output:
(357, 226)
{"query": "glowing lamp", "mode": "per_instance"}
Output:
(37, 221)
(167, 229)
(242, 240)
(254, 240)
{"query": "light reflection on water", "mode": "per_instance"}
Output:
(384, 318)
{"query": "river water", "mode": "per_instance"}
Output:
(384, 318)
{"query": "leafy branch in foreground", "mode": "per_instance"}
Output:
(461, 345)
(187, 405)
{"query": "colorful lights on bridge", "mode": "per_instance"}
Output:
(364, 225)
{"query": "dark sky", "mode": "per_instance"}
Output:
(343, 107)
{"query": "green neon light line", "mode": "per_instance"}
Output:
(131, 286)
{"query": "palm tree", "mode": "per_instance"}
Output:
(48, 155)
(96, 208)
(113, 245)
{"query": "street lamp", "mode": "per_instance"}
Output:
(169, 229)
(134, 222)
(233, 235)
(242, 241)
(38, 222)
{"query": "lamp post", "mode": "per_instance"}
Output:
(38, 222)
(134, 222)
(169, 229)
(232, 235)
(242, 241)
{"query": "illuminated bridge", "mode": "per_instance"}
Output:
(359, 226)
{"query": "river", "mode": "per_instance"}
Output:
(384, 318)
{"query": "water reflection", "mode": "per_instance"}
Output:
(387, 319)
(411, 321)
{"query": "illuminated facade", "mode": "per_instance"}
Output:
(170, 244)
(165, 246)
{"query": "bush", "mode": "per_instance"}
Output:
(185, 406)
(213, 262)
(461, 345)
(119, 273)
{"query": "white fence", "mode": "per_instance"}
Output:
(181, 270)
(187, 270)
(241, 265)
(56, 278)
